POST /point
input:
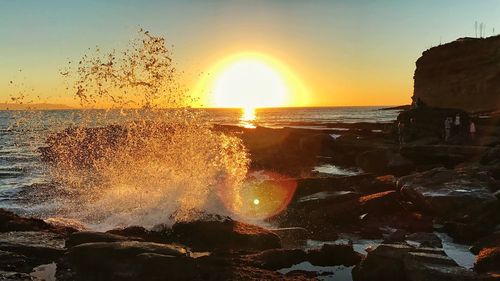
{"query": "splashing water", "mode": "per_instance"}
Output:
(137, 154)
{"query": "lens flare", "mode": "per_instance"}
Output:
(263, 195)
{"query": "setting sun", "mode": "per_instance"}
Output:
(251, 80)
(249, 83)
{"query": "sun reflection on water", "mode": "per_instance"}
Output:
(248, 117)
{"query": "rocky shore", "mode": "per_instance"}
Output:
(402, 200)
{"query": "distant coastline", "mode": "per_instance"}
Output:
(34, 106)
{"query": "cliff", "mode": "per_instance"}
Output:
(463, 74)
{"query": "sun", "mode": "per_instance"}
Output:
(250, 80)
(249, 83)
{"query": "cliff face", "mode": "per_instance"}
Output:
(464, 74)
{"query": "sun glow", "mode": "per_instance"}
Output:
(250, 81)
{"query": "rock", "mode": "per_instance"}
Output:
(422, 266)
(14, 276)
(461, 74)
(291, 236)
(117, 257)
(489, 241)
(404, 263)
(448, 193)
(383, 263)
(224, 235)
(380, 203)
(334, 254)
(10, 261)
(12, 222)
(425, 239)
(384, 161)
(23, 250)
(275, 259)
(444, 155)
(327, 197)
(488, 260)
(83, 237)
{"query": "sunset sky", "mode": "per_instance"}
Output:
(341, 52)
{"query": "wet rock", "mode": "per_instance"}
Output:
(445, 155)
(383, 263)
(12, 222)
(380, 203)
(421, 266)
(405, 263)
(117, 257)
(23, 250)
(334, 254)
(224, 235)
(489, 241)
(83, 237)
(275, 259)
(488, 260)
(398, 236)
(327, 197)
(384, 161)
(292, 236)
(425, 239)
(10, 261)
(448, 193)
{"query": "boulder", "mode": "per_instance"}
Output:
(224, 235)
(425, 239)
(117, 259)
(334, 254)
(404, 263)
(386, 262)
(384, 161)
(275, 259)
(449, 193)
(422, 266)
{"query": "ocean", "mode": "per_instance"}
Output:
(21, 168)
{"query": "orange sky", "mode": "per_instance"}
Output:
(343, 52)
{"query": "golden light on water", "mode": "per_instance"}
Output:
(248, 117)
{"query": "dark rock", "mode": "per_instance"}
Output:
(225, 235)
(12, 222)
(488, 260)
(404, 263)
(275, 259)
(10, 261)
(23, 250)
(117, 257)
(444, 155)
(422, 266)
(383, 263)
(448, 193)
(398, 236)
(489, 241)
(384, 161)
(426, 239)
(291, 236)
(83, 237)
(334, 254)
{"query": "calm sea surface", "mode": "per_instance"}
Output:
(20, 166)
